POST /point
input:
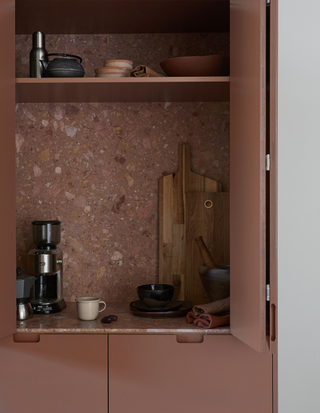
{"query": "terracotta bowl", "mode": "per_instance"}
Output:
(214, 65)
(155, 295)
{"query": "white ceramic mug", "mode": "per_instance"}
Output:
(88, 307)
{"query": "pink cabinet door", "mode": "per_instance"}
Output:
(60, 373)
(247, 171)
(7, 170)
(157, 374)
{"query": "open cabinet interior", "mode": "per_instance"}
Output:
(91, 151)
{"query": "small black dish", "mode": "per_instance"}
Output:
(155, 295)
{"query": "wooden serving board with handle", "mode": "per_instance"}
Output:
(181, 197)
(207, 214)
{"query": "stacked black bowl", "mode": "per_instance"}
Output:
(156, 300)
(155, 295)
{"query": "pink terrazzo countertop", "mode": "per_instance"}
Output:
(67, 322)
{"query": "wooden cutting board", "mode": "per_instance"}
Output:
(207, 214)
(179, 223)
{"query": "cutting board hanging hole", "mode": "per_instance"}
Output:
(208, 203)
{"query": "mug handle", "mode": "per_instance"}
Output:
(104, 305)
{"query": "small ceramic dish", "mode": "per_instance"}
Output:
(112, 71)
(115, 67)
(127, 64)
(112, 75)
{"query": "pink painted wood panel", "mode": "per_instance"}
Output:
(57, 373)
(7, 170)
(131, 89)
(137, 16)
(157, 374)
(273, 338)
(247, 171)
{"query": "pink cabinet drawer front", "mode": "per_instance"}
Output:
(161, 374)
(53, 373)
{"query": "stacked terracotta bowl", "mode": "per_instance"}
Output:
(115, 68)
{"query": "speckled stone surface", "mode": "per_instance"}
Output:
(67, 322)
(95, 166)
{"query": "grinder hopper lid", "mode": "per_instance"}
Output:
(46, 234)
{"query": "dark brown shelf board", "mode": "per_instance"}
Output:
(148, 89)
(121, 16)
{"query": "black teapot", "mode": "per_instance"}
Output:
(66, 65)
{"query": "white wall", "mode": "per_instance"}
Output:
(299, 206)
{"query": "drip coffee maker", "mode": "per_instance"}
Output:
(45, 262)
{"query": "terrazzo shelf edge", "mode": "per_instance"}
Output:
(67, 322)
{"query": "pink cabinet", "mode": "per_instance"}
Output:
(58, 373)
(136, 373)
(249, 232)
(152, 373)
(7, 167)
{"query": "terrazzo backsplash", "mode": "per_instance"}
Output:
(95, 167)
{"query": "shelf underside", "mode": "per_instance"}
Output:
(178, 89)
(121, 16)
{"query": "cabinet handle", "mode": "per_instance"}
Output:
(26, 338)
(273, 329)
(189, 338)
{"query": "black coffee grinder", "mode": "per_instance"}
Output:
(45, 262)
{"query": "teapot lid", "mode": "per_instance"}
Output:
(64, 55)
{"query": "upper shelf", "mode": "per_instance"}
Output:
(121, 16)
(131, 89)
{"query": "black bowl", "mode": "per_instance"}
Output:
(155, 295)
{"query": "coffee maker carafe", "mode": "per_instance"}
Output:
(45, 262)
